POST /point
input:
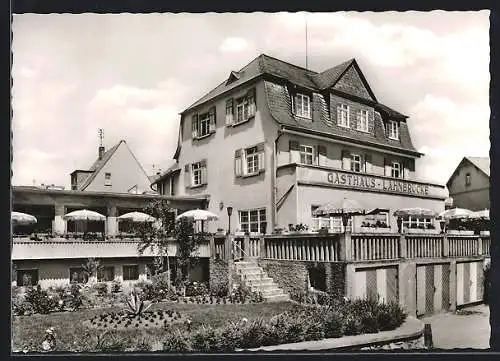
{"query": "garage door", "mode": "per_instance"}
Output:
(469, 282)
(377, 283)
(433, 288)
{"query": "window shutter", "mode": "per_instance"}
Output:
(262, 161)
(237, 162)
(322, 154)
(316, 155)
(229, 114)
(387, 168)
(204, 173)
(251, 102)
(406, 168)
(292, 93)
(294, 151)
(187, 176)
(371, 125)
(368, 163)
(346, 160)
(194, 126)
(212, 124)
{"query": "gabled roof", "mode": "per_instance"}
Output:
(481, 163)
(170, 170)
(99, 163)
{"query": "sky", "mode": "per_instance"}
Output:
(132, 74)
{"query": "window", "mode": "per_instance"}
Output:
(130, 272)
(253, 220)
(467, 180)
(343, 115)
(78, 275)
(355, 163)
(204, 125)
(252, 160)
(28, 277)
(107, 179)
(196, 171)
(302, 105)
(106, 274)
(241, 110)
(362, 120)
(229, 111)
(393, 130)
(414, 222)
(306, 154)
(396, 170)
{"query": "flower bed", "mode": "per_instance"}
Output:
(124, 320)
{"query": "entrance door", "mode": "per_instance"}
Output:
(470, 276)
(433, 288)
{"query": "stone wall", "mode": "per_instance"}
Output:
(292, 276)
(415, 344)
(219, 273)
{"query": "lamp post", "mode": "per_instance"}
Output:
(229, 213)
(345, 221)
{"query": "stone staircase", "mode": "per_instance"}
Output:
(255, 278)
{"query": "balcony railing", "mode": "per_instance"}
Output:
(375, 247)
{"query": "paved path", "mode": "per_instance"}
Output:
(467, 328)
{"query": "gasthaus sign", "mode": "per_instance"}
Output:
(375, 183)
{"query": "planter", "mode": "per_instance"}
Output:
(374, 230)
(484, 233)
(421, 231)
(455, 232)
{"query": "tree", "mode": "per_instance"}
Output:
(91, 267)
(156, 236)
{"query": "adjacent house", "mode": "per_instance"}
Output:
(274, 141)
(116, 170)
(469, 185)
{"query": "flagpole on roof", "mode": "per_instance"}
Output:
(306, 40)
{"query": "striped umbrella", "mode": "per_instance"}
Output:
(345, 206)
(19, 218)
(485, 214)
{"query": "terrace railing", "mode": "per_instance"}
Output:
(424, 246)
(303, 248)
(375, 247)
(464, 246)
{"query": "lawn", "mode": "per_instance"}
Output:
(29, 331)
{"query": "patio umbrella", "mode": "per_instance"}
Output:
(137, 217)
(84, 215)
(485, 213)
(415, 212)
(19, 218)
(198, 215)
(456, 213)
(342, 207)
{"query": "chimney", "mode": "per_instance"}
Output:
(101, 152)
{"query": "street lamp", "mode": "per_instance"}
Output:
(229, 213)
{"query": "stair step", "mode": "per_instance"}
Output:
(260, 282)
(266, 287)
(278, 298)
(271, 292)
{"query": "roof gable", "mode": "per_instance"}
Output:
(233, 77)
(481, 163)
(352, 81)
(98, 164)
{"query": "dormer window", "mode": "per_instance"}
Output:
(393, 130)
(302, 105)
(343, 115)
(362, 120)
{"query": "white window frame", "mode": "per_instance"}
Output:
(204, 121)
(306, 151)
(343, 115)
(362, 120)
(107, 180)
(393, 130)
(356, 160)
(251, 161)
(247, 224)
(241, 103)
(416, 221)
(303, 105)
(196, 174)
(229, 113)
(396, 167)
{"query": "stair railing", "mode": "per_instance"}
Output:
(237, 246)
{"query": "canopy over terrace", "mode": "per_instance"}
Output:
(51, 205)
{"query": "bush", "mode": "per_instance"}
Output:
(196, 289)
(101, 288)
(116, 286)
(39, 300)
(390, 316)
(74, 298)
(177, 342)
(220, 290)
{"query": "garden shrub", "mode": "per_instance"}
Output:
(101, 288)
(74, 299)
(116, 286)
(390, 316)
(177, 342)
(39, 300)
(220, 290)
(196, 289)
